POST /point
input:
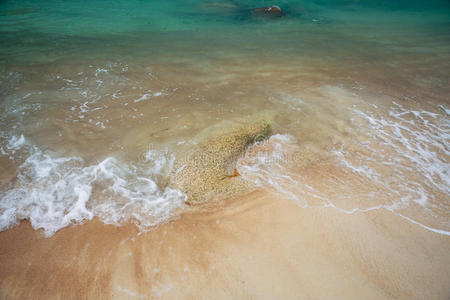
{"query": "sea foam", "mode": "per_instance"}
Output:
(271, 165)
(54, 192)
(411, 142)
(396, 161)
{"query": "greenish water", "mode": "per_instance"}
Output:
(38, 31)
(98, 98)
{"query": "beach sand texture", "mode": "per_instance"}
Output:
(257, 247)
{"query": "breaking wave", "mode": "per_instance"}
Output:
(54, 192)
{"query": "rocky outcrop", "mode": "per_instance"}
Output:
(268, 11)
(209, 170)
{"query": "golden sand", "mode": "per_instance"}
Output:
(254, 247)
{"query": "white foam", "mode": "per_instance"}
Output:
(420, 141)
(268, 168)
(54, 192)
(15, 143)
(98, 71)
(142, 98)
(399, 162)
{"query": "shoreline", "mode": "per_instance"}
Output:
(254, 246)
(234, 156)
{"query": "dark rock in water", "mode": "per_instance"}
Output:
(268, 11)
(230, 8)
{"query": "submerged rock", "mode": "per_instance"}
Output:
(268, 11)
(209, 170)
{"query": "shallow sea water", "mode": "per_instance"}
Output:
(99, 99)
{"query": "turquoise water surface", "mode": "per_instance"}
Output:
(42, 31)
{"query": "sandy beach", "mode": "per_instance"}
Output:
(252, 247)
(225, 149)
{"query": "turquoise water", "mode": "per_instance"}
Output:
(99, 98)
(39, 31)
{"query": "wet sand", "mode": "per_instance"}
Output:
(256, 246)
(362, 125)
(252, 247)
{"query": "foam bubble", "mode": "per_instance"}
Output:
(409, 141)
(54, 192)
(268, 164)
(15, 143)
(396, 161)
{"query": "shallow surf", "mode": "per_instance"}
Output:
(102, 106)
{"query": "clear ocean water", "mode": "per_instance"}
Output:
(99, 99)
